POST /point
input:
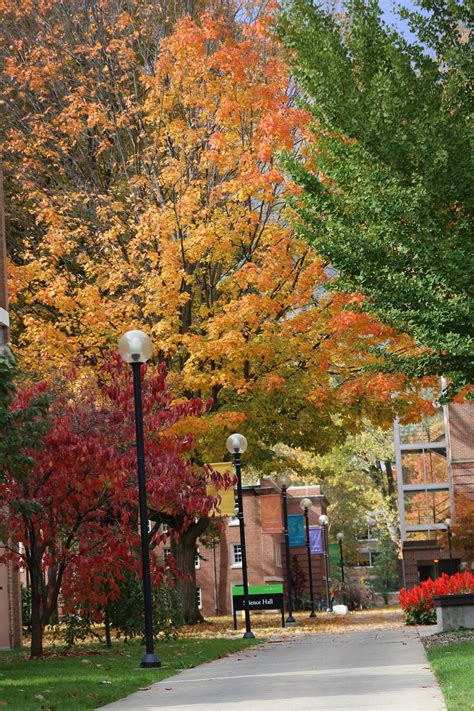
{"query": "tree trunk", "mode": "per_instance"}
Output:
(108, 638)
(184, 550)
(36, 618)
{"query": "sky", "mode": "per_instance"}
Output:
(387, 7)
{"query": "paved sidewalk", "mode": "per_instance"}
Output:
(380, 669)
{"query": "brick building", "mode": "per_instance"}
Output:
(435, 465)
(10, 591)
(218, 570)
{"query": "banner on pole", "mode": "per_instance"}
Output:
(296, 530)
(315, 541)
(270, 508)
(227, 504)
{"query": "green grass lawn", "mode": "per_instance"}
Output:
(95, 676)
(453, 665)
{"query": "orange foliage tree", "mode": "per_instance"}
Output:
(145, 193)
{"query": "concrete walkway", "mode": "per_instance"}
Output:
(380, 669)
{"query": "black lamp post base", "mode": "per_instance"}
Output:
(290, 620)
(150, 661)
(248, 635)
(313, 614)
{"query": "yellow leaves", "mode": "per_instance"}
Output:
(176, 222)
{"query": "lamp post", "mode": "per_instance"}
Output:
(324, 521)
(135, 348)
(447, 523)
(237, 445)
(306, 504)
(284, 481)
(340, 539)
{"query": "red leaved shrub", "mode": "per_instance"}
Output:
(418, 604)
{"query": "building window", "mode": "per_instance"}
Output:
(236, 555)
(366, 559)
(233, 521)
(278, 555)
(426, 507)
(165, 528)
(425, 467)
(199, 598)
(197, 559)
(166, 552)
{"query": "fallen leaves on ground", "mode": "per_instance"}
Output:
(268, 624)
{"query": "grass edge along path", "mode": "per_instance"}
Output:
(93, 676)
(453, 665)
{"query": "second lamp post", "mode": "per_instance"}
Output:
(306, 504)
(237, 445)
(284, 482)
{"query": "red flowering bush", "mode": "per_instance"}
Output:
(418, 603)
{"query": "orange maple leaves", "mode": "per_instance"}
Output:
(165, 210)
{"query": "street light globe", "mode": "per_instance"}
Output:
(305, 504)
(135, 347)
(236, 444)
(284, 480)
(447, 522)
(340, 536)
(323, 520)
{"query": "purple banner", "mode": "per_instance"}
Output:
(315, 540)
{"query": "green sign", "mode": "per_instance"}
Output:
(258, 589)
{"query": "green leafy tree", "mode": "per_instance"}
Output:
(21, 428)
(387, 172)
(385, 579)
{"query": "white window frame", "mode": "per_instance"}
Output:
(235, 563)
(197, 559)
(199, 598)
(234, 521)
(166, 553)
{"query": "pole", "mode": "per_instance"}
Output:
(341, 558)
(450, 552)
(150, 659)
(310, 570)
(240, 514)
(326, 569)
(214, 569)
(289, 589)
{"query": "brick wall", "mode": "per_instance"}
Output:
(461, 444)
(10, 606)
(427, 553)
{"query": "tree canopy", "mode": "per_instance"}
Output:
(145, 193)
(387, 171)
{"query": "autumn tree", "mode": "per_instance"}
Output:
(75, 512)
(387, 196)
(146, 192)
(177, 490)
